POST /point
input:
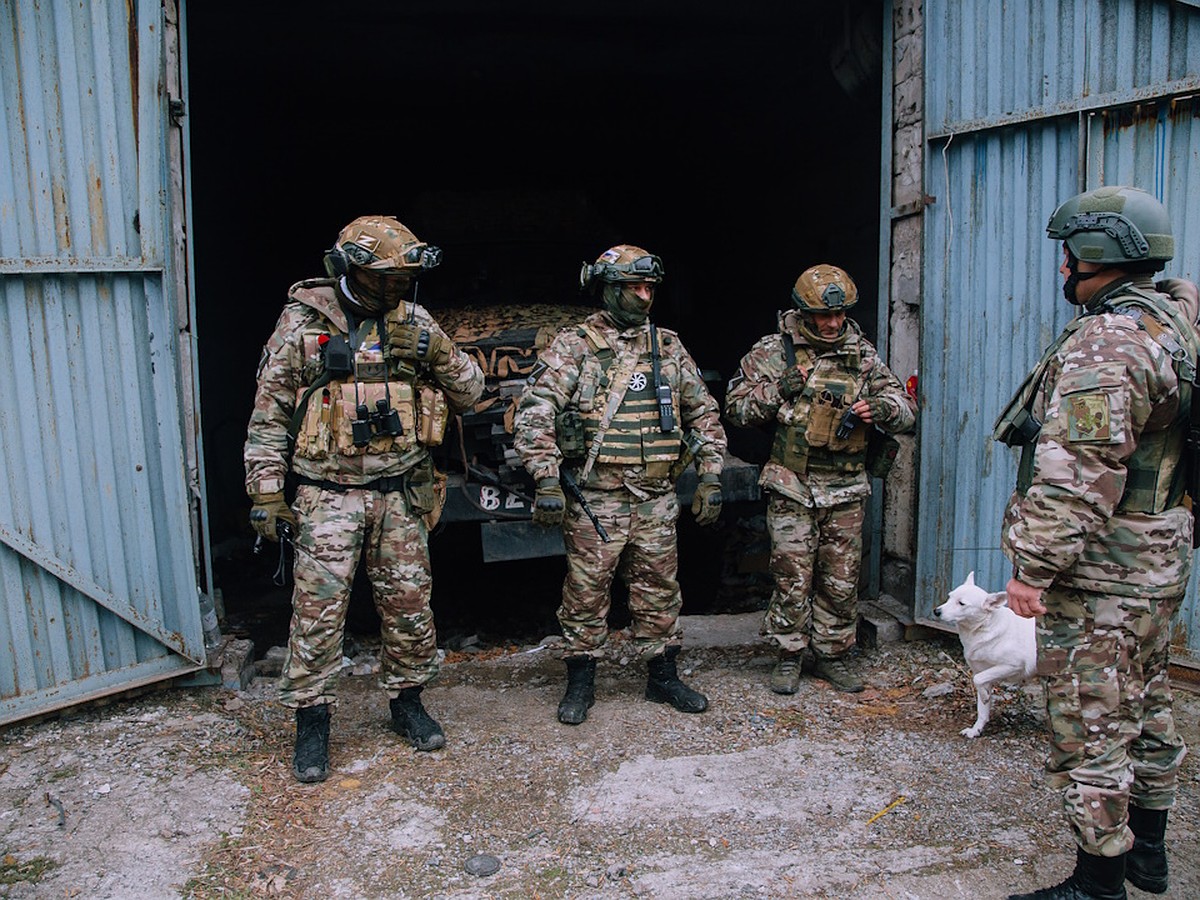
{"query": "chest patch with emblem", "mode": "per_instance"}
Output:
(637, 382)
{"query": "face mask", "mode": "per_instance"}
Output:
(376, 292)
(626, 308)
(807, 327)
(1070, 286)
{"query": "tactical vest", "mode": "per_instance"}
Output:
(1155, 471)
(328, 405)
(809, 440)
(634, 435)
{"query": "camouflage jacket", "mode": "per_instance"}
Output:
(1109, 386)
(554, 384)
(753, 398)
(287, 368)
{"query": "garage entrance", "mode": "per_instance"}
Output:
(739, 143)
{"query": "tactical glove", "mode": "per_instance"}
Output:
(549, 503)
(792, 381)
(410, 340)
(267, 512)
(706, 504)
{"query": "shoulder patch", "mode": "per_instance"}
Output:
(1089, 419)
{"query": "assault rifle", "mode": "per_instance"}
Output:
(577, 495)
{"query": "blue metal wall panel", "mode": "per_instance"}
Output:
(992, 298)
(97, 578)
(1022, 60)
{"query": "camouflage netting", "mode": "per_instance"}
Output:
(504, 340)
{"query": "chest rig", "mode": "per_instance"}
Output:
(1156, 470)
(357, 399)
(806, 436)
(644, 429)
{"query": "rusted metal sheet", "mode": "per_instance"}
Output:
(98, 587)
(991, 297)
(1001, 64)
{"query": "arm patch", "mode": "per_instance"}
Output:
(1089, 419)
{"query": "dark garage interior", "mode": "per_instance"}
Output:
(740, 142)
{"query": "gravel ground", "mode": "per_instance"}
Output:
(189, 792)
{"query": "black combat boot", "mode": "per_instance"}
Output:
(1094, 878)
(310, 762)
(581, 690)
(1146, 863)
(664, 686)
(410, 720)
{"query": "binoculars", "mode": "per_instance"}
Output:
(366, 425)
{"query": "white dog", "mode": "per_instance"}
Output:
(999, 645)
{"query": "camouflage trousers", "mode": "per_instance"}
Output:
(1103, 660)
(642, 548)
(815, 559)
(335, 529)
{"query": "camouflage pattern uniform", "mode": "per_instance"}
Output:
(1098, 521)
(353, 497)
(629, 488)
(817, 484)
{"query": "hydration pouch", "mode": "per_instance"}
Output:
(568, 428)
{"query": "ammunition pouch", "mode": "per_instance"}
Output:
(569, 433)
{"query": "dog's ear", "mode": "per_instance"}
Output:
(970, 578)
(995, 601)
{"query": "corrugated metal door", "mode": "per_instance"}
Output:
(98, 577)
(1027, 103)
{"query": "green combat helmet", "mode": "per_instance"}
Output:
(615, 269)
(1114, 225)
(824, 288)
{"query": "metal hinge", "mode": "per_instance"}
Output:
(177, 109)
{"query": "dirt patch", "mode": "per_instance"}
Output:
(820, 794)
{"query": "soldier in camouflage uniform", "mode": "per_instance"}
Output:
(618, 397)
(1099, 532)
(353, 387)
(824, 389)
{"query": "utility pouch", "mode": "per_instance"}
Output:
(1018, 430)
(419, 488)
(882, 450)
(339, 359)
(823, 418)
(1191, 465)
(568, 427)
(432, 415)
